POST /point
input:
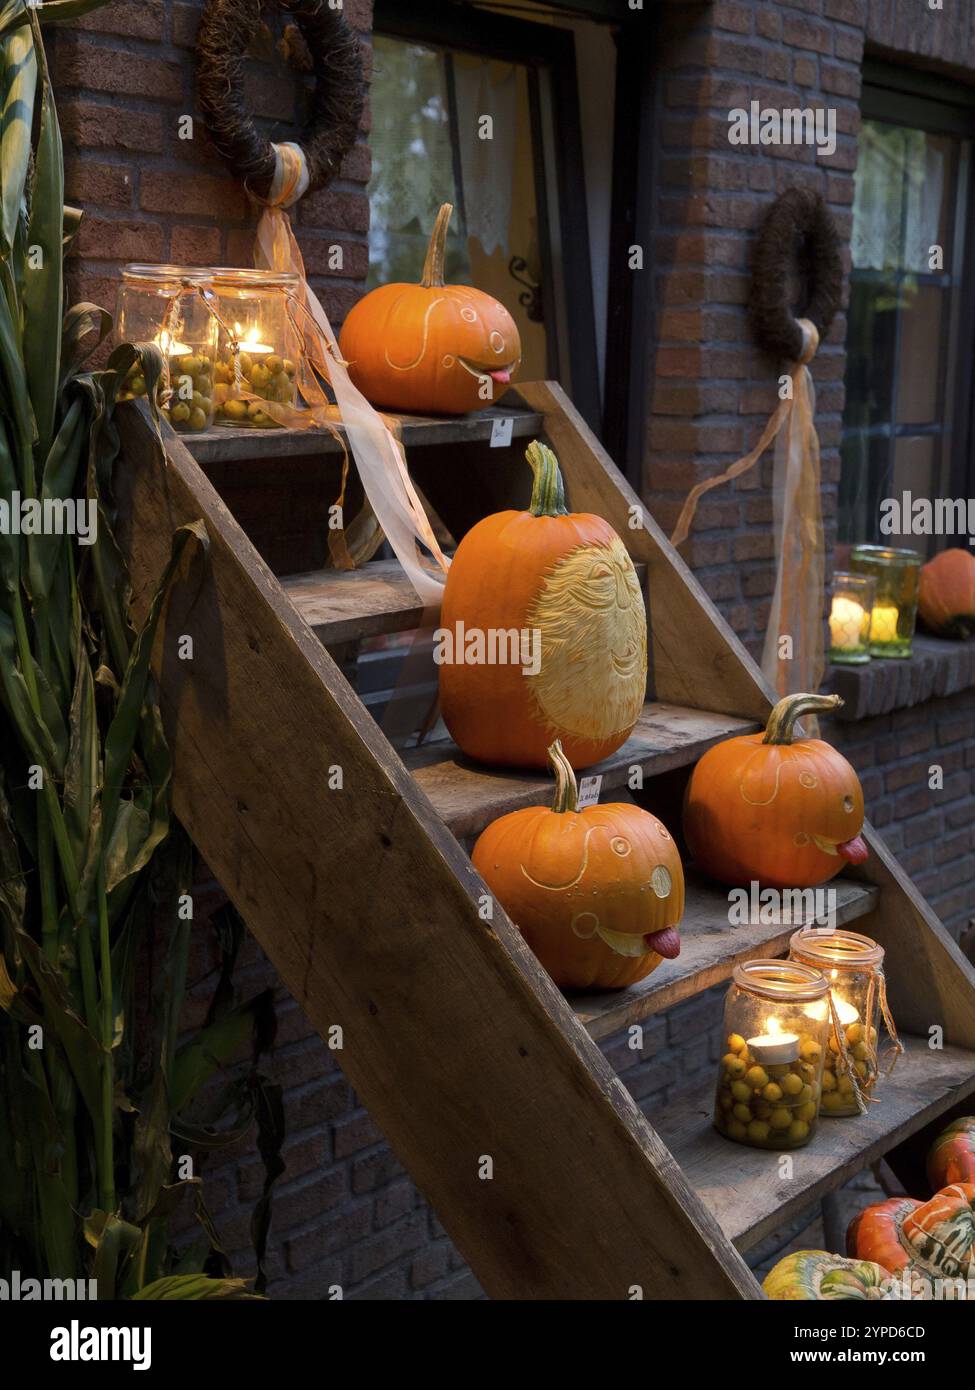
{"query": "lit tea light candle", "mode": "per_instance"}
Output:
(846, 624)
(251, 344)
(171, 347)
(883, 627)
(846, 1013)
(774, 1049)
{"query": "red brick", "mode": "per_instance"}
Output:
(318, 252)
(195, 245)
(847, 11)
(799, 32)
(108, 185)
(95, 126)
(103, 240)
(195, 194)
(140, 19)
(345, 212)
(87, 64)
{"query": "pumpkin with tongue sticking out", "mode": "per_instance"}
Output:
(786, 812)
(597, 894)
(431, 349)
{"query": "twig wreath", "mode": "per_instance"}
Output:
(228, 28)
(797, 235)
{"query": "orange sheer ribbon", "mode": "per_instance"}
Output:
(797, 603)
(378, 453)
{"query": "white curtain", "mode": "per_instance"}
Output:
(486, 164)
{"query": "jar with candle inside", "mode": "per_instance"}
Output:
(854, 969)
(849, 618)
(256, 311)
(775, 1041)
(166, 305)
(896, 574)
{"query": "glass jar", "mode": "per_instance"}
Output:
(164, 304)
(254, 306)
(854, 967)
(896, 573)
(776, 1035)
(849, 617)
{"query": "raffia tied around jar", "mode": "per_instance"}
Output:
(797, 603)
(853, 965)
(377, 452)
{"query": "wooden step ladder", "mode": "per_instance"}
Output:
(364, 897)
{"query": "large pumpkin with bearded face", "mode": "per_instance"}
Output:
(597, 894)
(431, 348)
(543, 633)
(771, 808)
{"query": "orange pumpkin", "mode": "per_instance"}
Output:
(951, 1157)
(771, 808)
(946, 598)
(597, 894)
(934, 1239)
(431, 348)
(544, 633)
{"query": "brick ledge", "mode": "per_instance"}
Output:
(936, 669)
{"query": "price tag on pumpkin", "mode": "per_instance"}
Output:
(589, 791)
(501, 433)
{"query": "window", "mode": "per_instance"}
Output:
(906, 425)
(521, 230)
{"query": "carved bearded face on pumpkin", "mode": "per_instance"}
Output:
(592, 676)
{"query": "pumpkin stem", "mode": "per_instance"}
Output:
(781, 722)
(548, 492)
(566, 791)
(433, 266)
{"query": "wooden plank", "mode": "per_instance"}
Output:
(468, 796)
(743, 1187)
(696, 658)
(341, 604)
(930, 981)
(224, 443)
(710, 949)
(453, 1035)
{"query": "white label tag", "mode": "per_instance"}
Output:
(501, 433)
(589, 791)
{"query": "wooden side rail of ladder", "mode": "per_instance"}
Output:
(485, 1080)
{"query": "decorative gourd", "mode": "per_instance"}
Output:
(946, 598)
(816, 1275)
(951, 1157)
(564, 585)
(431, 348)
(597, 894)
(934, 1238)
(782, 811)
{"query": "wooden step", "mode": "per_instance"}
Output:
(709, 951)
(469, 796)
(342, 605)
(742, 1186)
(222, 443)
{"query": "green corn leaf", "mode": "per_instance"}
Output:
(82, 1049)
(9, 544)
(16, 124)
(82, 774)
(195, 1287)
(13, 15)
(35, 737)
(86, 327)
(215, 1046)
(14, 395)
(43, 296)
(57, 486)
(114, 1242)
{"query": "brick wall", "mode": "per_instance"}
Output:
(124, 77)
(711, 390)
(345, 1212)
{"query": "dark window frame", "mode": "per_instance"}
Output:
(921, 101)
(539, 48)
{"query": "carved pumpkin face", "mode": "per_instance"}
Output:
(566, 581)
(764, 808)
(431, 349)
(597, 894)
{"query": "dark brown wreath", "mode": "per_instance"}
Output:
(797, 235)
(227, 29)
